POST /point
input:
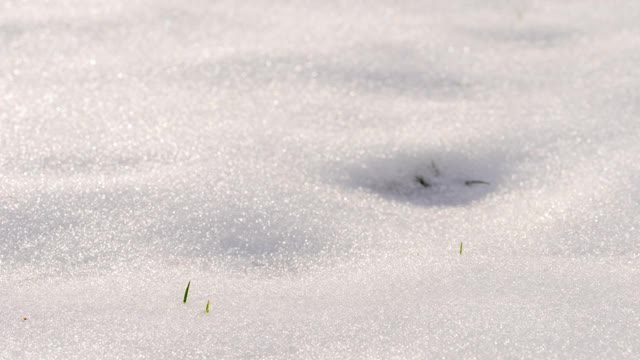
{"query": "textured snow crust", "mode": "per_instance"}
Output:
(312, 167)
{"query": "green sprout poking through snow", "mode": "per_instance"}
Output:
(207, 308)
(186, 292)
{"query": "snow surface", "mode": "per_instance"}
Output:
(271, 151)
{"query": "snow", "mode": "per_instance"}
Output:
(272, 152)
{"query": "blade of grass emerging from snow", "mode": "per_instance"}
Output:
(207, 308)
(460, 248)
(186, 292)
(422, 181)
(436, 170)
(476, 182)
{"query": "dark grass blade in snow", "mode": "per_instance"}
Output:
(436, 171)
(186, 292)
(422, 181)
(476, 182)
(460, 248)
(207, 308)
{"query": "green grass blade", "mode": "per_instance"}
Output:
(460, 248)
(186, 292)
(207, 309)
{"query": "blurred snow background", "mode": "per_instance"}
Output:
(269, 150)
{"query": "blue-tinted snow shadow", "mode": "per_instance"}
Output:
(118, 225)
(368, 68)
(428, 178)
(252, 228)
(66, 227)
(527, 35)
